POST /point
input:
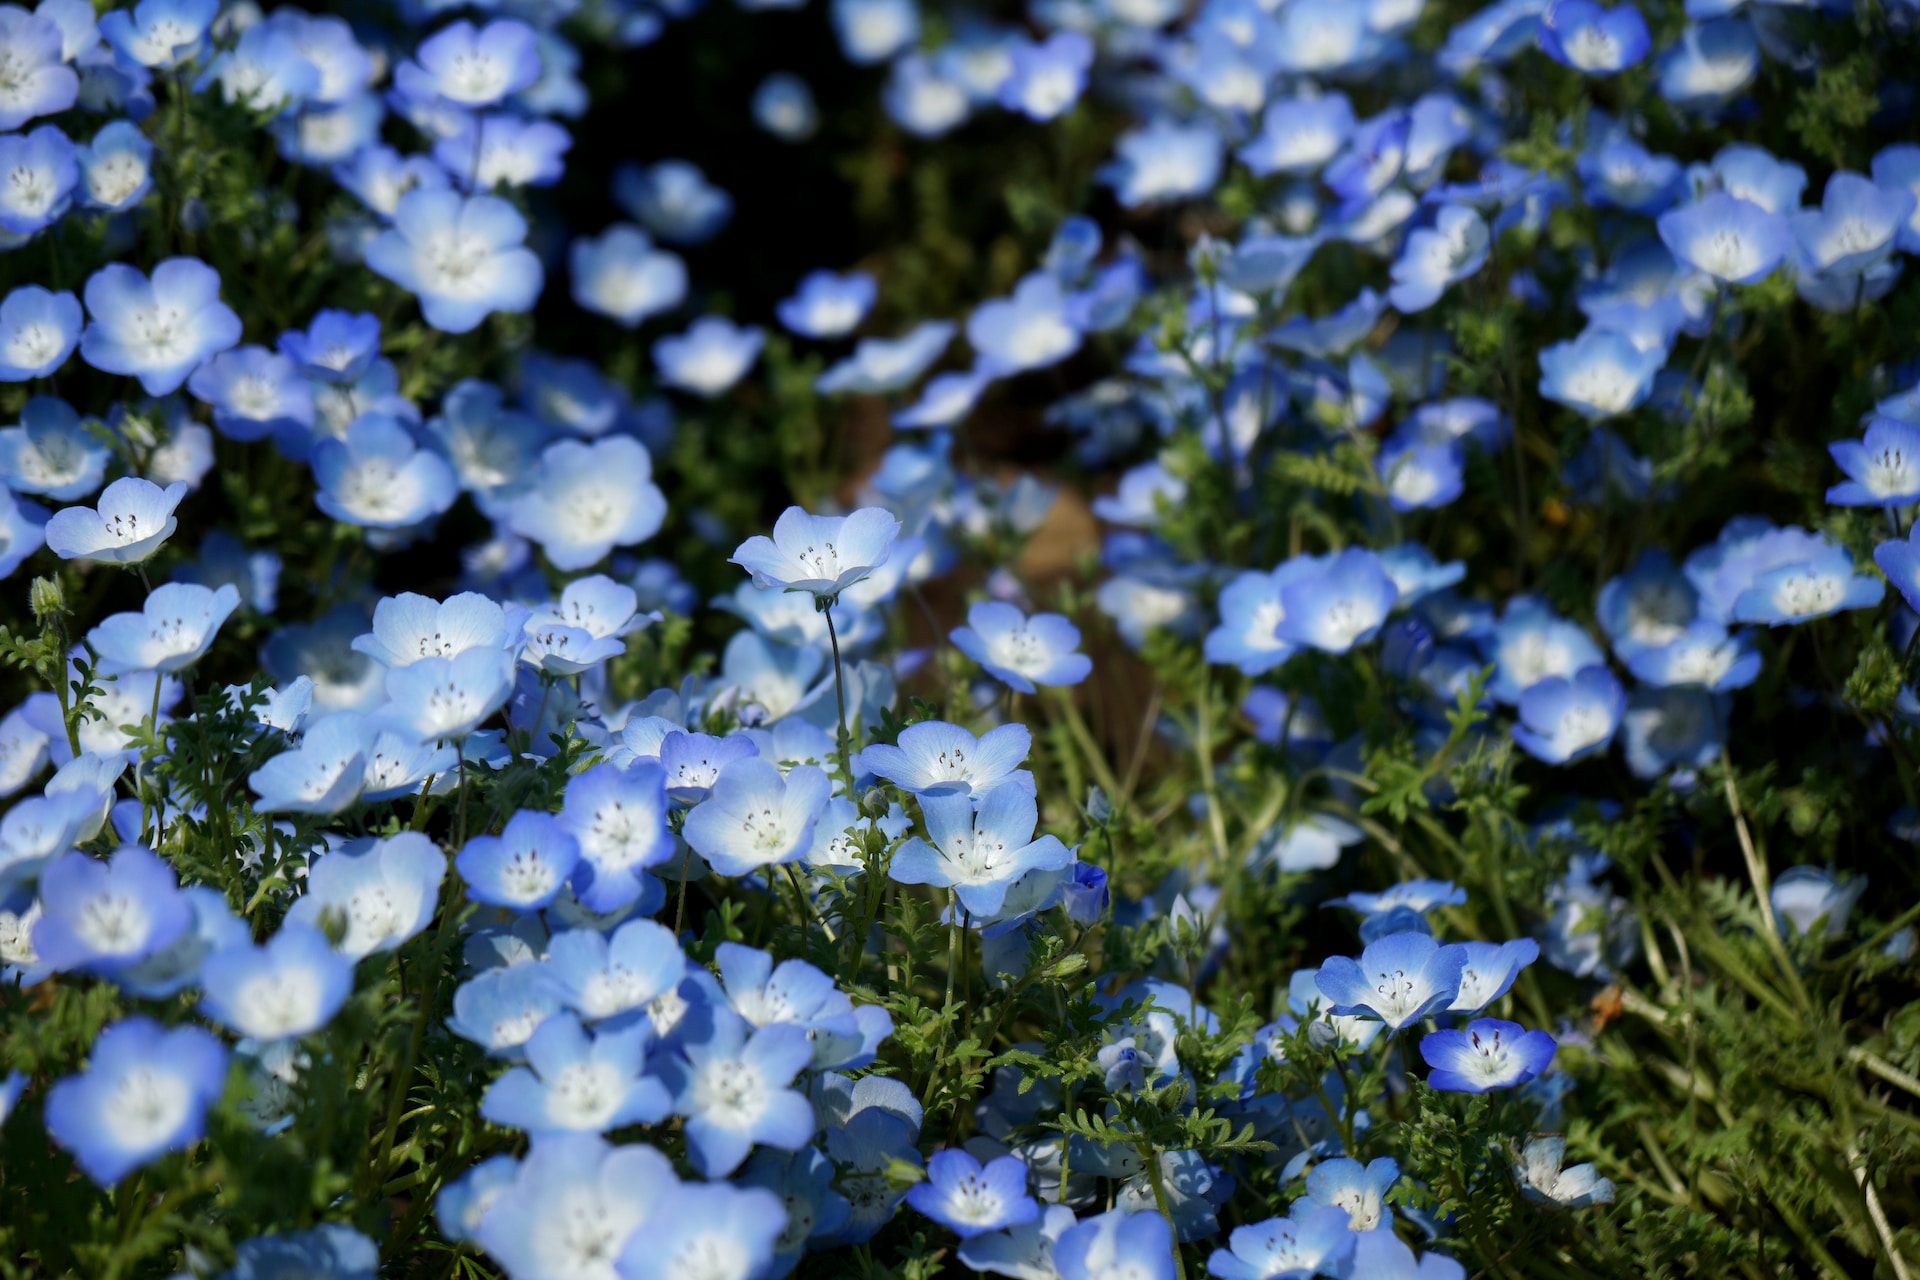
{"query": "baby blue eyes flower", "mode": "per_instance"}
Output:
(1382, 1255)
(1314, 1241)
(979, 855)
(40, 83)
(1594, 40)
(588, 499)
(1340, 605)
(327, 1252)
(822, 555)
(145, 1092)
(292, 986)
(1855, 226)
(936, 758)
(22, 531)
(473, 66)
(378, 477)
(1165, 161)
(1029, 330)
(712, 1231)
(503, 150)
(38, 331)
(1486, 1054)
(1451, 250)
(1563, 719)
(172, 630)
(264, 71)
(1489, 971)
(733, 1090)
(132, 520)
(115, 168)
(1298, 135)
(157, 330)
(42, 172)
(323, 774)
(622, 276)
(337, 346)
(880, 365)
(383, 891)
(690, 763)
(105, 917)
(51, 454)
(871, 31)
(712, 355)
(920, 99)
(436, 699)
(1047, 78)
(1419, 474)
(600, 976)
(571, 1206)
(674, 200)
(1729, 238)
(1600, 374)
(756, 817)
(1542, 1180)
(783, 105)
(970, 1199)
(523, 867)
(1803, 589)
(827, 305)
(1022, 652)
(1705, 654)
(463, 257)
(255, 393)
(160, 34)
(1138, 1246)
(577, 1082)
(1398, 979)
(1899, 559)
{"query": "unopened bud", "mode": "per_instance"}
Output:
(47, 599)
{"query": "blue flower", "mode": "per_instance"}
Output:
(1136, 1245)
(1729, 238)
(1883, 468)
(50, 454)
(674, 200)
(1250, 612)
(573, 1204)
(588, 498)
(920, 99)
(1855, 226)
(795, 992)
(1029, 330)
(1567, 718)
(1321, 37)
(1543, 1181)
(1418, 474)
(436, 699)
(823, 555)
(523, 867)
(1895, 168)
(603, 976)
(827, 305)
(1754, 174)
(712, 355)
(580, 1083)
(105, 917)
(323, 774)
(872, 31)
(1315, 1242)
(383, 891)
(733, 1090)
(1807, 897)
(979, 855)
(42, 171)
(783, 105)
(1489, 971)
(1416, 573)
(1359, 1191)
(292, 986)
(264, 71)
(936, 758)
(1451, 250)
(156, 330)
(1600, 374)
(410, 627)
(970, 1199)
(1298, 135)
(472, 66)
(714, 1231)
(378, 176)
(1593, 40)
(172, 631)
(755, 817)
(1650, 605)
(622, 276)
(1382, 1255)
(1046, 79)
(1900, 560)
(1398, 979)
(338, 347)
(1705, 655)
(330, 1251)
(1532, 643)
(115, 168)
(1803, 589)
(1340, 605)
(22, 531)
(692, 761)
(1165, 161)
(1622, 173)
(38, 331)
(880, 365)
(463, 257)
(1486, 1054)
(501, 149)
(42, 84)
(378, 477)
(160, 34)
(1022, 652)
(145, 1092)
(255, 393)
